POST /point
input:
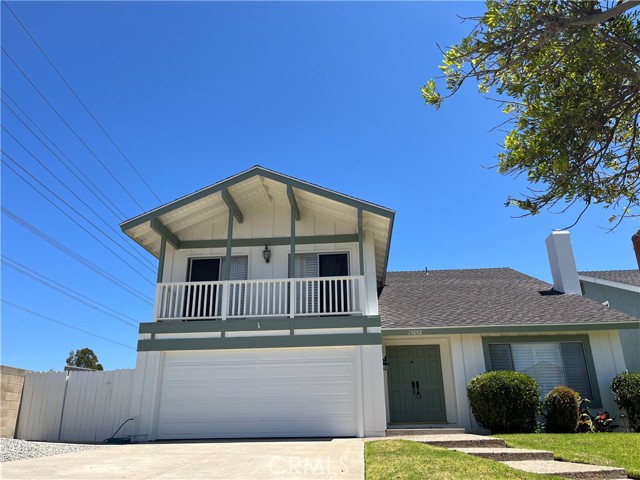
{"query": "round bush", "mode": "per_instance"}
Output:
(562, 410)
(626, 390)
(505, 401)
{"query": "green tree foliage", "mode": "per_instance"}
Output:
(84, 358)
(568, 76)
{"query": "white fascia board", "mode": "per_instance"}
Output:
(609, 283)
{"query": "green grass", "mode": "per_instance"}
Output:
(609, 449)
(404, 459)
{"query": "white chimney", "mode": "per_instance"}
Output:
(562, 262)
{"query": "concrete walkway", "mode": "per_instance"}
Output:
(532, 461)
(341, 459)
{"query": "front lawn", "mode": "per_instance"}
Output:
(404, 459)
(609, 449)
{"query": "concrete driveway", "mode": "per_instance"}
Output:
(313, 459)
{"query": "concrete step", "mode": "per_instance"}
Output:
(459, 440)
(567, 469)
(395, 432)
(506, 454)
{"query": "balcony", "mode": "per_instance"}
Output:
(289, 297)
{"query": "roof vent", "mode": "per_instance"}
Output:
(562, 262)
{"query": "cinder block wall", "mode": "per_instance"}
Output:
(11, 383)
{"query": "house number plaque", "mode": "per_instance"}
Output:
(415, 332)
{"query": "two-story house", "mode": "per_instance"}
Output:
(266, 316)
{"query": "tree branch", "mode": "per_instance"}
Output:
(597, 18)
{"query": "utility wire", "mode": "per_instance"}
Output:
(95, 189)
(20, 307)
(71, 128)
(67, 215)
(43, 165)
(80, 101)
(69, 292)
(80, 259)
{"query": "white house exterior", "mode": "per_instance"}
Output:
(620, 290)
(275, 317)
(250, 344)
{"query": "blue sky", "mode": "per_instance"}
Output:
(195, 92)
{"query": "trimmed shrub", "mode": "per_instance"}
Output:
(504, 401)
(626, 390)
(562, 409)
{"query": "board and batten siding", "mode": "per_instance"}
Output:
(75, 406)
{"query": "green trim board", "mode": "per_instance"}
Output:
(596, 402)
(292, 244)
(233, 206)
(163, 250)
(567, 327)
(387, 253)
(259, 242)
(227, 263)
(360, 241)
(256, 171)
(255, 324)
(329, 340)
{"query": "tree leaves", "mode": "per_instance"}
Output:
(84, 358)
(568, 76)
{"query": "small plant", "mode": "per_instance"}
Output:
(626, 391)
(505, 401)
(602, 422)
(562, 409)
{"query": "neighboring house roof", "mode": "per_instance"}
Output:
(627, 277)
(501, 298)
(175, 220)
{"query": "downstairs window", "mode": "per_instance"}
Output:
(549, 363)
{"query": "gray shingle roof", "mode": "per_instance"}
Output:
(628, 277)
(483, 297)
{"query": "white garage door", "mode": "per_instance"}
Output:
(285, 392)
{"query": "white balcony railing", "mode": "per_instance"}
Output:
(289, 297)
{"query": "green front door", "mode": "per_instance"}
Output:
(414, 377)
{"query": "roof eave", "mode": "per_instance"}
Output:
(560, 327)
(261, 171)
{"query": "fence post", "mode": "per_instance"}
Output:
(64, 399)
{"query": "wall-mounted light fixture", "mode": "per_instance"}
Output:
(266, 254)
(385, 364)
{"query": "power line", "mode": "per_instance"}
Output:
(143, 259)
(71, 253)
(67, 215)
(79, 100)
(69, 292)
(71, 128)
(95, 190)
(20, 307)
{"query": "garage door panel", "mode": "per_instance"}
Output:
(258, 393)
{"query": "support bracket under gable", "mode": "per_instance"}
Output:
(158, 227)
(293, 202)
(233, 206)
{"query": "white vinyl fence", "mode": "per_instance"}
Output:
(75, 406)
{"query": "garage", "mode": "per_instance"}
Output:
(284, 392)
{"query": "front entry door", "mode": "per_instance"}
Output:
(416, 392)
